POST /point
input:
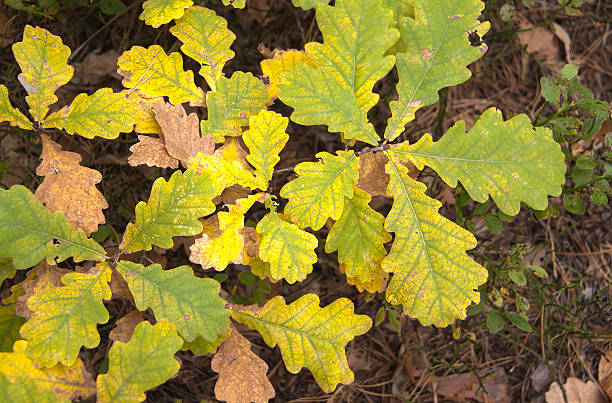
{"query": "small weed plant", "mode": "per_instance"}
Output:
(219, 191)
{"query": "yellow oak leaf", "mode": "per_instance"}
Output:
(159, 12)
(65, 318)
(308, 335)
(265, 139)
(143, 112)
(242, 374)
(288, 248)
(146, 361)
(227, 166)
(225, 244)
(359, 238)
(433, 277)
(42, 277)
(157, 74)
(207, 40)
(282, 61)
(377, 281)
(63, 175)
(104, 113)
(318, 192)
(68, 382)
(43, 59)
(10, 114)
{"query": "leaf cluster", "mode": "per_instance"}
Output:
(414, 257)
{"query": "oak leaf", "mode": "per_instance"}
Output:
(151, 151)
(70, 188)
(576, 392)
(181, 132)
(42, 277)
(242, 374)
(125, 326)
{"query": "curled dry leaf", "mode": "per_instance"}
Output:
(69, 187)
(181, 132)
(605, 373)
(152, 152)
(576, 392)
(125, 326)
(242, 374)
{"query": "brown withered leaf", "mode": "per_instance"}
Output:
(152, 152)
(605, 373)
(119, 287)
(69, 187)
(231, 194)
(576, 392)
(125, 326)
(372, 176)
(461, 387)
(40, 278)
(181, 132)
(242, 374)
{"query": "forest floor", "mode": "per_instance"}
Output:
(571, 310)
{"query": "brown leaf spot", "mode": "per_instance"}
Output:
(426, 53)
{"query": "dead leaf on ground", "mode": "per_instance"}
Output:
(96, 67)
(181, 132)
(576, 392)
(540, 43)
(231, 194)
(41, 278)
(119, 287)
(125, 326)
(605, 373)
(70, 188)
(242, 374)
(461, 387)
(152, 152)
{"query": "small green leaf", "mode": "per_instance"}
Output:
(569, 71)
(495, 322)
(519, 320)
(112, 7)
(599, 198)
(380, 316)
(518, 277)
(493, 224)
(247, 278)
(538, 271)
(146, 361)
(191, 303)
(574, 204)
(550, 90)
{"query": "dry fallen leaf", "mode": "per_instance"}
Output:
(231, 194)
(540, 43)
(576, 392)
(242, 374)
(181, 132)
(69, 187)
(95, 67)
(462, 387)
(151, 151)
(605, 373)
(125, 326)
